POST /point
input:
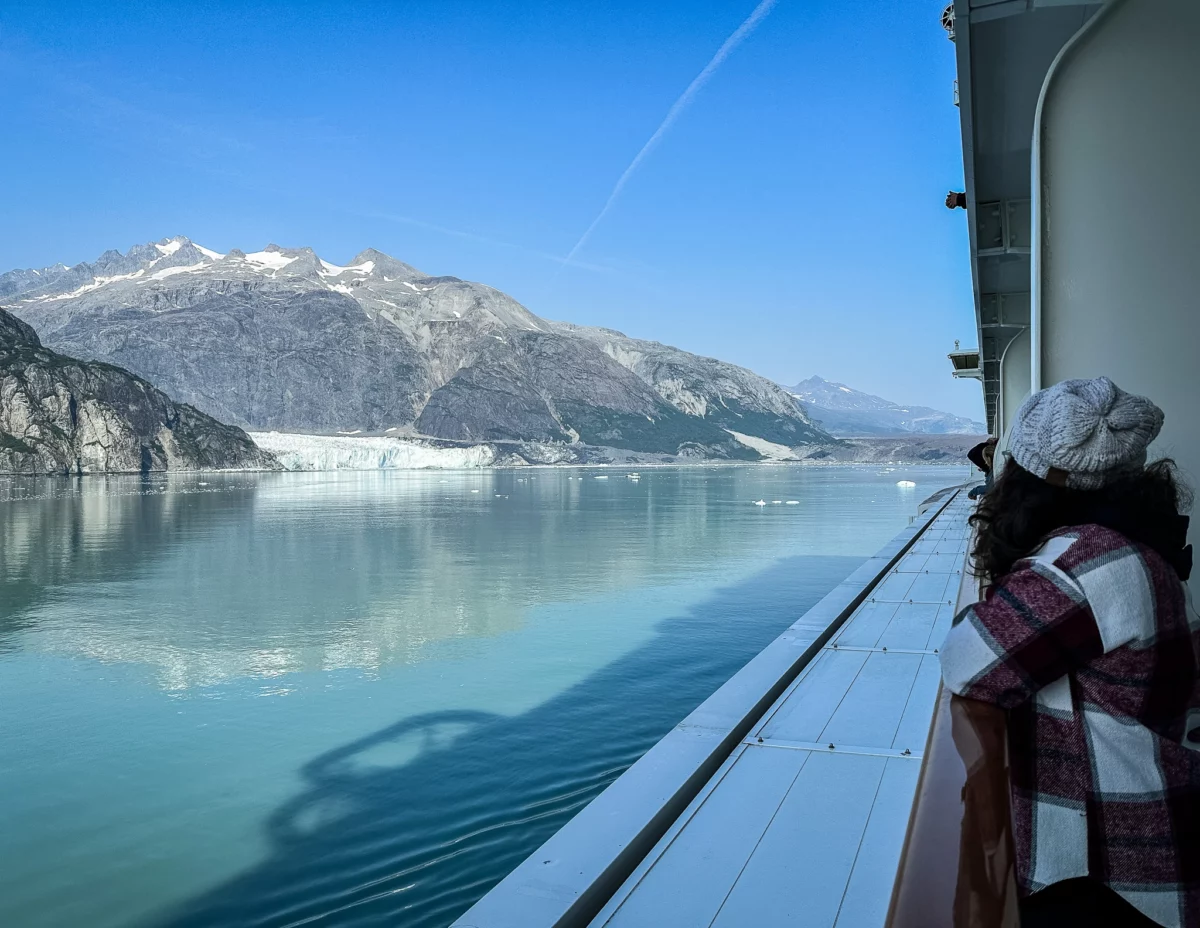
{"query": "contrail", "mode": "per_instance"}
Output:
(739, 34)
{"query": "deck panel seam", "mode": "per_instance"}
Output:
(818, 747)
(858, 850)
(757, 844)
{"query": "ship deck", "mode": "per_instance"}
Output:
(805, 822)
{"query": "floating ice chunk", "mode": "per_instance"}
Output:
(906, 484)
(776, 502)
(474, 491)
(760, 502)
(601, 476)
(793, 502)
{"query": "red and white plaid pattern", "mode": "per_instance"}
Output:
(1093, 648)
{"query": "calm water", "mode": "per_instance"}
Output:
(361, 698)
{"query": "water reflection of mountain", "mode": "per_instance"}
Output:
(207, 579)
(411, 838)
(55, 533)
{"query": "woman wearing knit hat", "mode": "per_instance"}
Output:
(1088, 638)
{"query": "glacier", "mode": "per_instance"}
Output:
(371, 452)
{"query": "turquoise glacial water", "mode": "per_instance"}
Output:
(361, 698)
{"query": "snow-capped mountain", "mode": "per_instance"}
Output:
(846, 412)
(282, 339)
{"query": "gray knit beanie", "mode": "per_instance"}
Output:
(1091, 430)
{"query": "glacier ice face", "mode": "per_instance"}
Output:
(335, 452)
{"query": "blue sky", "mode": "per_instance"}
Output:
(790, 220)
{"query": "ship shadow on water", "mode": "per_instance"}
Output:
(411, 824)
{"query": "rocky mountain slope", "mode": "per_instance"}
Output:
(281, 339)
(846, 412)
(62, 416)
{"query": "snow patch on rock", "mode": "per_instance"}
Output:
(172, 271)
(208, 252)
(269, 260)
(335, 270)
(96, 284)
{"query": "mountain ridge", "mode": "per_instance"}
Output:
(283, 339)
(849, 413)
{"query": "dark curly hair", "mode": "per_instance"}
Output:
(1020, 510)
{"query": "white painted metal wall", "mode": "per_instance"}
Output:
(1014, 384)
(1117, 213)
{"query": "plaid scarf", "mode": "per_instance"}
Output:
(1092, 646)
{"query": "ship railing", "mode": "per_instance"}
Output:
(957, 869)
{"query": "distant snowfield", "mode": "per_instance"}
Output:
(333, 452)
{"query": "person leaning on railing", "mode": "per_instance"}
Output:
(1086, 635)
(982, 456)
